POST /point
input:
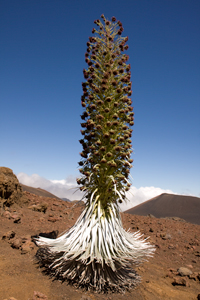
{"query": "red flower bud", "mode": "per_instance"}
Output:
(103, 161)
(114, 83)
(106, 135)
(108, 99)
(112, 141)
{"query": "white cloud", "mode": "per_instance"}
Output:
(65, 189)
(61, 188)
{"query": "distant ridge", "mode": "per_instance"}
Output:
(170, 205)
(38, 191)
(66, 199)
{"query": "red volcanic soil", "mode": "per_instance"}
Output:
(170, 205)
(177, 245)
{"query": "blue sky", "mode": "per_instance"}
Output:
(42, 57)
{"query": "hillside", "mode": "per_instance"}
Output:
(170, 205)
(177, 245)
(38, 191)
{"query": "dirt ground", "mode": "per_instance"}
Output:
(177, 245)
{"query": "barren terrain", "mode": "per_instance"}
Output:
(177, 245)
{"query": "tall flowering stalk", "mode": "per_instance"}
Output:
(97, 252)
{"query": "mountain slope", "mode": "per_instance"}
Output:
(37, 191)
(170, 205)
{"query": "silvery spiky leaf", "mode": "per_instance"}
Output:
(96, 253)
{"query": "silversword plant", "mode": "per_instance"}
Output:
(97, 253)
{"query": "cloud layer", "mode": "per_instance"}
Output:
(66, 189)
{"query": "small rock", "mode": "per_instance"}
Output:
(39, 296)
(41, 207)
(184, 271)
(14, 216)
(8, 235)
(171, 246)
(166, 236)
(7, 214)
(52, 219)
(17, 220)
(198, 297)
(16, 244)
(27, 247)
(180, 281)
(193, 277)
(51, 235)
(151, 229)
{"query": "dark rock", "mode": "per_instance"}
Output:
(10, 189)
(194, 277)
(9, 184)
(17, 220)
(8, 235)
(197, 253)
(50, 235)
(180, 281)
